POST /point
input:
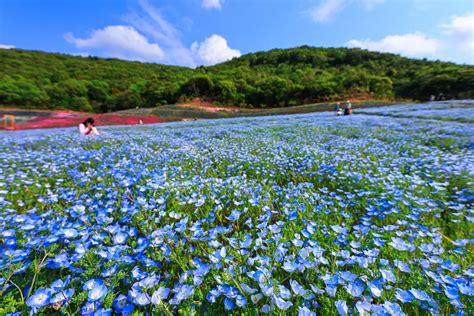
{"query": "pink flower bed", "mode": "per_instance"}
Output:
(67, 119)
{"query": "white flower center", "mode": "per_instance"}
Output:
(95, 294)
(41, 298)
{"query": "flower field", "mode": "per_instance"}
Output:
(457, 111)
(303, 214)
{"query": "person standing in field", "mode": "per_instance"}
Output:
(337, 108)
(87, 127)
(348, 108)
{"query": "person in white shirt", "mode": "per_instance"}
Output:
(87, 127)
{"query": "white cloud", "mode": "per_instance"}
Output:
(152, 23)
(213, 50)
(461, 28)
(454, 43)
(120, 41)
(2, 46)
(149, 37)
(411, 45)
(212, 4)
(325, 10)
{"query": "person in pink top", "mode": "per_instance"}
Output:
(87, 127)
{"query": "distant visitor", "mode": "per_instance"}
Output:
(338, 109)
(347, 108)
(87, 127)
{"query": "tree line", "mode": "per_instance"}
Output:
(276, 78)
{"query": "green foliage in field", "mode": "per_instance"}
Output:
(277, 78)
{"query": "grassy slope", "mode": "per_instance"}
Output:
(179, 112)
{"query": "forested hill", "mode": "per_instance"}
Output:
(277, 78)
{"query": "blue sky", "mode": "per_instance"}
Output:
(205, 32)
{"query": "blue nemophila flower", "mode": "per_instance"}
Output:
(355, 288)
(122, 305)
(266, 309)
(341, 307)
(234, 216)
(290, 266)
(247, 289)
(393, 309)
(89, 308)
(348, 276)
(40, 298)
(120, 238)
(355, 244)
(62, 297)
(60, 284)
(388, 276)
(110, 271)
(457, 303)
(256, 298)
(89, 285)
(97, 293)
(331, 290)
(304, 311)
(449, 265)
(258, 276)
(240, 301)
(404, 296)
(160, 295)
(213, 295)
(377, 309)
(402, 266)
(182, 292)
(282, 304)
(147, 282)
(70, 233)
(363, 307)
(401, 245)
(297, 288)
(138, 274)
(340, 230)
(466, 289)
(228, 291)
(451, 293)
(283, 292)
(10, 242)
(267, 290)
(139, 298)
(376, 287)
(316, 289)
(218, 255)
(228, 304)
(420, 295)
(59, 261)
(103, 312)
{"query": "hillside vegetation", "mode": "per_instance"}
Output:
(277, 78)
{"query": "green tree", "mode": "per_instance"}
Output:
(98, 90)
(198, 86)
(80, 104)
(21, 92)
(226, 91)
